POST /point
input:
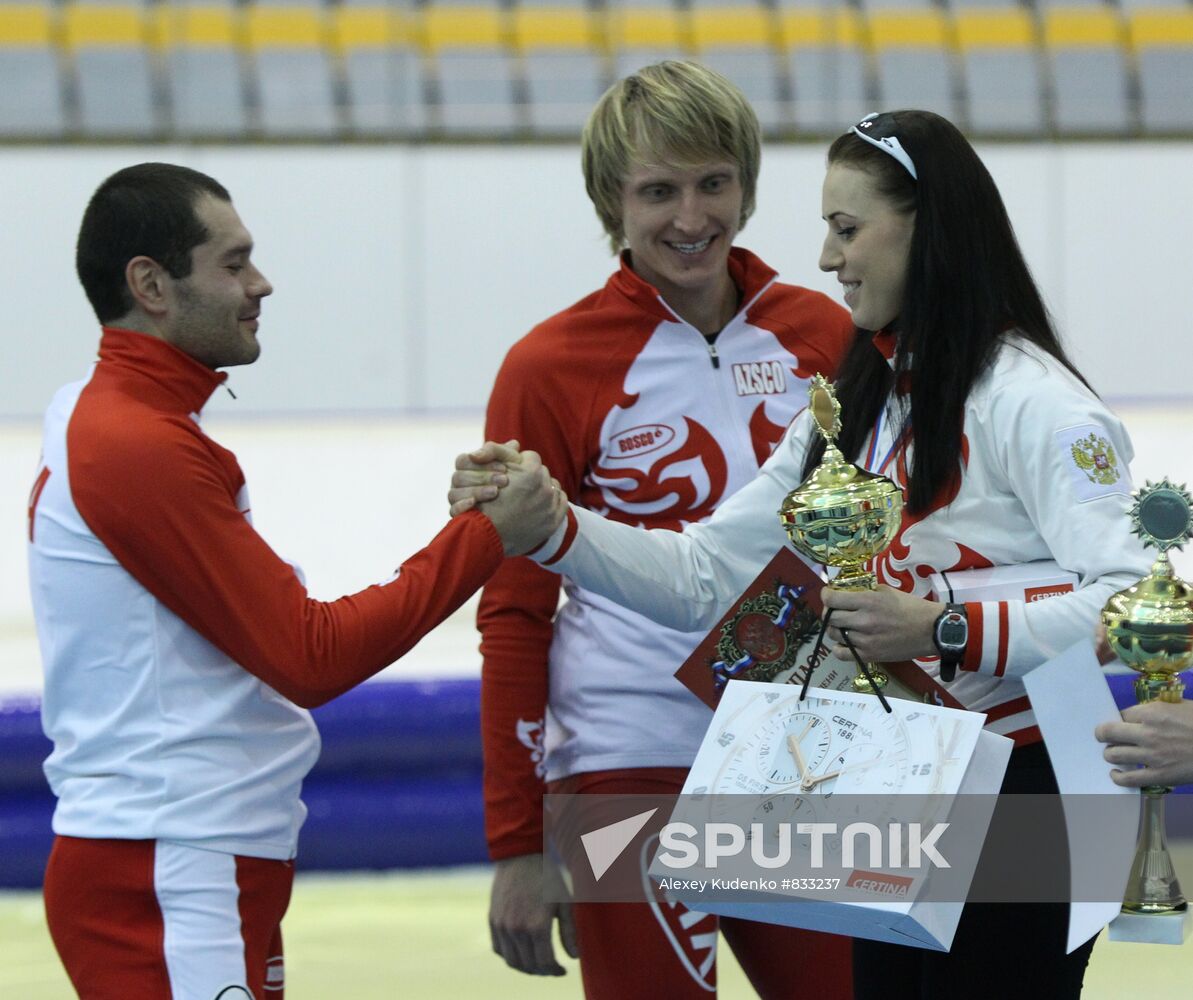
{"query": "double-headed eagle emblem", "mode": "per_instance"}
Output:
(1096, 458)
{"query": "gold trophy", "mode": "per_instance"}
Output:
(842, 516)
(1150, 628)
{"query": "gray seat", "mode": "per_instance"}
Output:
(563, 65)
(737, 39)
(562, 87)
(827, 65)
(1090, 91)
(917, 78)
(759, 72)
(630, 59)
(477, 91)
(293, 67)
(383, 69)
(1005, 92)
(31, 93)
(204, 71)
(207, 92)
(642, 32)
(914, 64)
(113, 70)
(476, 75)
(1163, 46)
(385, 92)
(870, 7)
(1087, 61)
(1166, 89)
(1001, 70)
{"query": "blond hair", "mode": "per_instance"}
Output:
(674, 112)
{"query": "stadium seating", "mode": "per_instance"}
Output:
(913, 58)
(823, 46)
(329, 70)
(474, 67)
(1086, 54)
(562, 61)
(739, 40)
(1162, 42)
(110, 52)
(289, 45)
(1000, 67)
(31, 99)
(378, 46)
(644, 31)
(204, 72)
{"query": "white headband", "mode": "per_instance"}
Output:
(887, 143)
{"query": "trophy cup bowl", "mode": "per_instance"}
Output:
(841, 515)
(1149, 626)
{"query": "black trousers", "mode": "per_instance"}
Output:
(1001, 950)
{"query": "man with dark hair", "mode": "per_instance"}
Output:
(145, 209)
(180, 652)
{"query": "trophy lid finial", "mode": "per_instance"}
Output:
(826, 411)
(1162, 515)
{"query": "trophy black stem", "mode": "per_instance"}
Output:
(861, 664)
(813, 661)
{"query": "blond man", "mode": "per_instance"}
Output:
(651, 400)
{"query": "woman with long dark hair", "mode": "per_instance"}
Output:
(956, 387)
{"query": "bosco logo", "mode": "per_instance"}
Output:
(641, 440)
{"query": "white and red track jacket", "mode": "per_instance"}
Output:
(644, 423)
(177, 645)
(1043, 476)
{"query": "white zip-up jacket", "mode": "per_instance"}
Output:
(644, 422)
(1044, 476)
(180, 652)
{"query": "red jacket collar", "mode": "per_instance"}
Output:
(748, 272)
(884, 342)
(187, 382)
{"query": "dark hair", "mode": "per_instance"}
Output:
(967, 284)
(146, 210)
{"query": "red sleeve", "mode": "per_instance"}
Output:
(840, 322)
(517, 608)
(163, 499)
(814, 327)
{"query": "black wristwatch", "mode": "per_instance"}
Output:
(951, 635)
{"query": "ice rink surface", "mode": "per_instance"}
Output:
(425, 936)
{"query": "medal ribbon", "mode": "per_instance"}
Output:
(872, 451)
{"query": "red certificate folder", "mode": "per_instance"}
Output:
(770, 633)
(767, 635)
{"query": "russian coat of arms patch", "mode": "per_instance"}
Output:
(1095, 457)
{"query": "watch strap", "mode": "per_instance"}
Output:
(950, 653)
